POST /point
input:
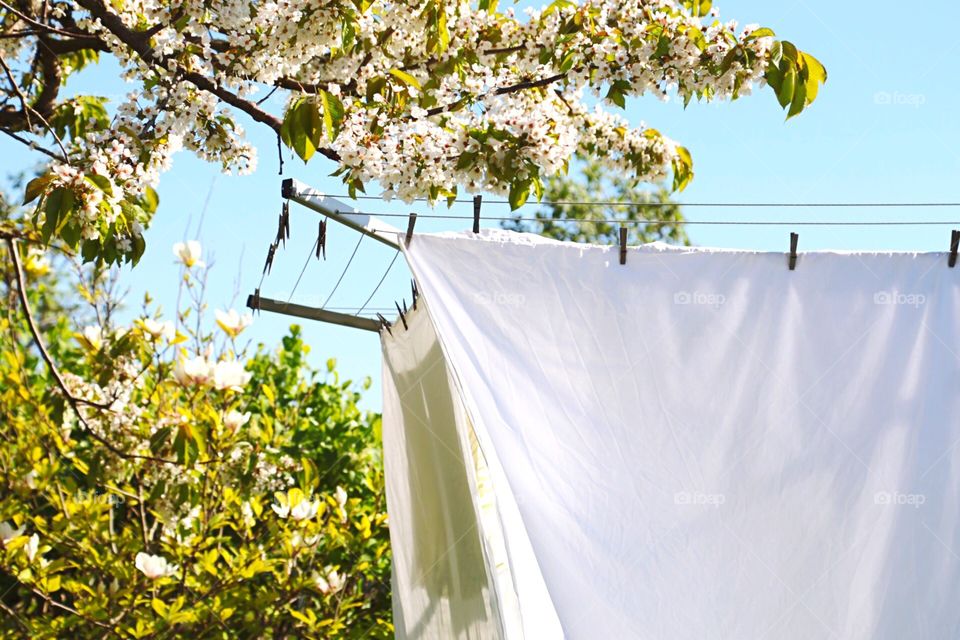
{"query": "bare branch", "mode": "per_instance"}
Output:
(520, 86)
(33, 145)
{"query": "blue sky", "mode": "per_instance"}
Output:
(884, 129)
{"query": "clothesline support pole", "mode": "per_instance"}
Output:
(312, 313)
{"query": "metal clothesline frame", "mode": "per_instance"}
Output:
(370, 225)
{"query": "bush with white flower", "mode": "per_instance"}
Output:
(188, 486)
(426, 98)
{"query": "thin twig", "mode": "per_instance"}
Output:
(75, 402)
(33, 145)
(16, 90)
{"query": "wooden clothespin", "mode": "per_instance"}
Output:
(623, 245)
(322, 240)
(410, 225)
(954, 247)
(477, 203)
(268, 265)
(416, 294)
(794, 240)
(403, 319)
(253, 301)
(281, 237)
(286, 218)
(384, 324)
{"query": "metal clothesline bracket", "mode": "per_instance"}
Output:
(294, 191)
(312, 313)
(341, 212)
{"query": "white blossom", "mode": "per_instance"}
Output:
(230, 374)
(193, 371)
(33, 543)
(154, 566)
(157, 329)
(329, 582)
(234, 420)
(232, 322)
(188, 253)
(8, 533)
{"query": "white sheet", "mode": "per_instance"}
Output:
(704, 444)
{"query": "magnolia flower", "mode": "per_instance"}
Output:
(230, 374)
(304, 510)
(33, 543)
(232, 322)
(92, 337)
(341, 497)
(154, 566)
(8, 533)
(158, 329)
(188, 253)
(329, 583)
(234, 420)
(193, 371)
(296, 505)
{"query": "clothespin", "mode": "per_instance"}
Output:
(404, 306)
(384, 323)
(416, 294)
(410, 225)
(794, 240)
(477, 202)
(954, 247)
(623, 245)
(322, 240)
(253, 302)
(286, 218)
(269, 263)
(281, 237)
(402, 318)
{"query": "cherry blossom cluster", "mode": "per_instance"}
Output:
(422, 98)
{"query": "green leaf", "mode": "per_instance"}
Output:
(36, 187)
(682, 169)
(405, 77)
(332, 114)
(799, 100)
(788, 87)
(442, 32)
(150, 200)
(762, 32)
(816, 74)
(57, 208)
(519, 192)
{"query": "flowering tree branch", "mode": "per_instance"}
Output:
(423, 99)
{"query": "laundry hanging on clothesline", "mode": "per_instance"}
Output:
(695, 443)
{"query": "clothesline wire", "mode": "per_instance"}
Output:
(664, 222)
(310, 255)
(343, 273)
(377, 288)
(838, 205)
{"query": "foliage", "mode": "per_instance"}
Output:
(183, 488)
(591, 215)
(424, 98)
